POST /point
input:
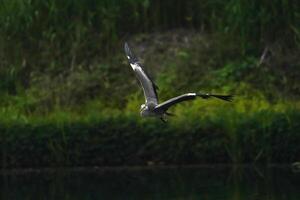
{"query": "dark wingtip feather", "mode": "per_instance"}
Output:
(224, 97)
(126, 47)
(127, 50)
(129, 54)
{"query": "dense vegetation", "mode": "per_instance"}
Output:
(68, 96)
(243, 133)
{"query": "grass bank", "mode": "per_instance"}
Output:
(244, 131)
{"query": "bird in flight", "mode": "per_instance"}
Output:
(152, 108)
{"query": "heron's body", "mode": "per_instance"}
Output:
(151, 113)
(152, 108)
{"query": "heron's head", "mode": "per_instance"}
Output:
(143, 107)
(144, 110)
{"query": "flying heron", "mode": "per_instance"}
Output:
(152, 108)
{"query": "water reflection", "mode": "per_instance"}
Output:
(158, 183)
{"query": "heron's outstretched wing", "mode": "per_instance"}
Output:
(148, 85)
(163, 107)
(167, 104)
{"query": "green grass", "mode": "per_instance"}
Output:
(248, 130)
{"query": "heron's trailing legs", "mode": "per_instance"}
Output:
(164, 117)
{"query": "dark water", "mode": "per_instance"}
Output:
(157, 183)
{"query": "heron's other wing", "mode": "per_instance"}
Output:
(167, 104)
(148, 85)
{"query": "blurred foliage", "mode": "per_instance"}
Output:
(66, 84)
(73, 49)
(247, 131)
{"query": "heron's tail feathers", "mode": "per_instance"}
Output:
(223, 97)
